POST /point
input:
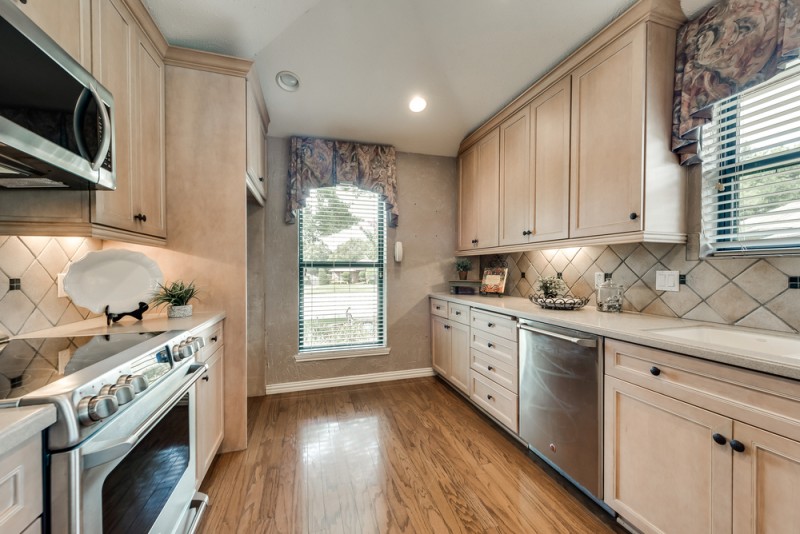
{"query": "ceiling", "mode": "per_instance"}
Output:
(361, 61)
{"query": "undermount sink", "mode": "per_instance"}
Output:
(737, 339)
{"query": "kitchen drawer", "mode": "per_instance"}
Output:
(498, 347)
(500, 325)
(439, 307)
(496, 400)
(765, 401)
(499, 372)
(213, 338)
(21, 486)
(458, 313)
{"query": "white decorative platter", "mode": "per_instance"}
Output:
(119, 279)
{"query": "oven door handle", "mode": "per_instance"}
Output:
(121, 448)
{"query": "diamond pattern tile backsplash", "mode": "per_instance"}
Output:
(747, 292)
(36, 262)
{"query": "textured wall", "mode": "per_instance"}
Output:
(36, 261)
(746, 292)
(427, 190)
(256, 302)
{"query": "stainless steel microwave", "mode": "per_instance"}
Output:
(56, 120)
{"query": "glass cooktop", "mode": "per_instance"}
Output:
(29, 364)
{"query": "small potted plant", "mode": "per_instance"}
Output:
(552, 286)
(176, 297)
(463, 266)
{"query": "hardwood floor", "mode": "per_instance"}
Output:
(406, 456)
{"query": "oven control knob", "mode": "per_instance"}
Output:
(176, 353)
(197, 343)
(93, 409)
(137, 382)
(186, 350)
(123, 392)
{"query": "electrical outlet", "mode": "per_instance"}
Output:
(599, 278)
(61, 292)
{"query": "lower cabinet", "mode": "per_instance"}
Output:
(450, 351)
(209, 422)
(21, 490)
(694, 446)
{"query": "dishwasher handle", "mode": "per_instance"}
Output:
(582, 341)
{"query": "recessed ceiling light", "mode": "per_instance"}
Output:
(417, 104)
(288, 81)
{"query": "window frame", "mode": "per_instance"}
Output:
(380, 347)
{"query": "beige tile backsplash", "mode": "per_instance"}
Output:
(37, 261)
(746, 292)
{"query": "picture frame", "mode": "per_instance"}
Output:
(494, 280)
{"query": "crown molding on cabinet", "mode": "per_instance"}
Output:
(664, 12)
(177, 56)
(146, 22)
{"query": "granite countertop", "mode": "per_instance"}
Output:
(150, 323)
(637, 328)
(19, 424)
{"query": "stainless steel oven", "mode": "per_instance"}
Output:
(137, 473)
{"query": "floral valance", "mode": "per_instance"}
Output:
(734, 45)
(318, 163)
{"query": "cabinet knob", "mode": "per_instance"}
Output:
(214, 339)
(738, 446)
(261, 179)
(205, 378)
(490, 325)
(490, 345)
(447, 327)
(655, 371)
(458, 313)
(633, 216)
(489, 368)
(489, 397)
(527, 232)
(140, 217)
(438, 307)
(719, 439)
(474, 241)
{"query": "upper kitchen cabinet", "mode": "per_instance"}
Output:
(126, 63)
(624, 178)
(120, 44)
(534, 169)
(584, 153)
(257, 122)
(67, 22)
(479, 194)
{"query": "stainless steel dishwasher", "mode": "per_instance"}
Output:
(560, 400)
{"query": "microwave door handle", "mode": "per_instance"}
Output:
(105, 143)
(120, 448)
(77, 121)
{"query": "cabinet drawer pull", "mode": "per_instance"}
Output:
(490, 345)
(205, 378)
(489, 368)
(489, 397)
(458, 313)
(490, 325)
(655, 371)
(438, 307)
(447, 327)
(633, 216)
(140, 217)
(719, 439)
(214, 339)
(738, 446)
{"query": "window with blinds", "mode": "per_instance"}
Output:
(342, 236)
(751, 171)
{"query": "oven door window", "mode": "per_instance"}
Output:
(135, 492)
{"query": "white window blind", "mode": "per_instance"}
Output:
(342, 236)
(751, 171)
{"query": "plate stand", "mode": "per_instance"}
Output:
(114, 317)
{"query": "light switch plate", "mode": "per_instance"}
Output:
(667, 280)
(599, 278)
(61, 292)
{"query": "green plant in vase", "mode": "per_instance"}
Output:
(463, 266)
(552, 286)
(176, 296)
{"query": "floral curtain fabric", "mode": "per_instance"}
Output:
(734, 45)
(318, 163)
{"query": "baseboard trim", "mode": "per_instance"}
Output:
(323, 383)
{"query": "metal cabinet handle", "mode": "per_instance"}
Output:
(458, 313)
(447, 327)
(655, 371)
(633, 216)
(438, 307)
(490, 345)
(214, 339)
(489, 397)
(140, 217)
(490, 325)
(738, 446)
(489, 368)
(583, 342)
(719, 439)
